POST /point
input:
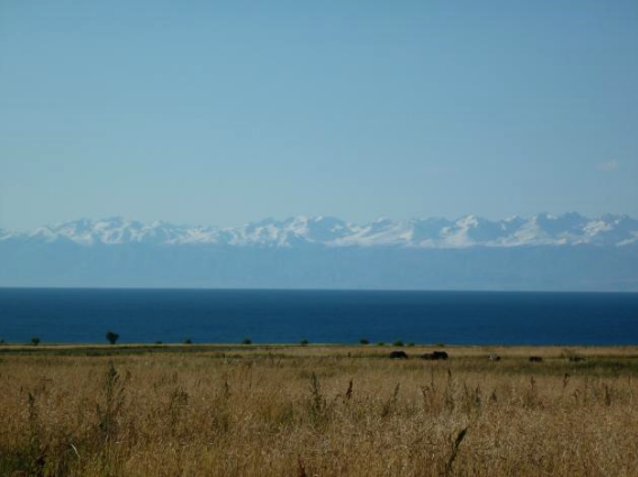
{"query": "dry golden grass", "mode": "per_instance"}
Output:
(305, 411)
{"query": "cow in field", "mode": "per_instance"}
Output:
(435, 356)
(398, 355)
(535, 359)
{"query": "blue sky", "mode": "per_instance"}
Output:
(226, 112)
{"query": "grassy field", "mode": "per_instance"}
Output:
(316, 410)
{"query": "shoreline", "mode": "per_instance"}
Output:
(371, 350)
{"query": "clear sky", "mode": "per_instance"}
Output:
(226, 112)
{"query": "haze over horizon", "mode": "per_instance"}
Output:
(225, 113)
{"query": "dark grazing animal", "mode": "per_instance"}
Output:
(535, 359)
(398, 355)
(435, 355)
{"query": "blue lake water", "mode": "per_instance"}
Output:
(287, 316)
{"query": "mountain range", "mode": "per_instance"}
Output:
(468, 231)
(543, 252)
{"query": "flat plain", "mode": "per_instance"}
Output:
(169, 410)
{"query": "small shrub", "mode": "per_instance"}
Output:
(380, 343)
(188, 341)
(247, 341)
(411, 344)
(364, 341)
(35, 341)
(112, 337)
(304, 342)
(397, 343)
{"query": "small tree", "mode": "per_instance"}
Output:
(188, 341)
(304, 342)
(112, 337)
(35, 341)
(247, 341)
(364, 341)
(398, 343)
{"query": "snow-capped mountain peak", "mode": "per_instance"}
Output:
(463, 232)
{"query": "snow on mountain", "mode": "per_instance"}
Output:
(286, 233)
(464, 232)
(381, 232)
(111, 231)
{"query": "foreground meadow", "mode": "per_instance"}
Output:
(326, 411)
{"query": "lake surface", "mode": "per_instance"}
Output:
(288, 316)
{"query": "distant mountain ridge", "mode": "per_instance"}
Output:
(567, 252)
(569, 229)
